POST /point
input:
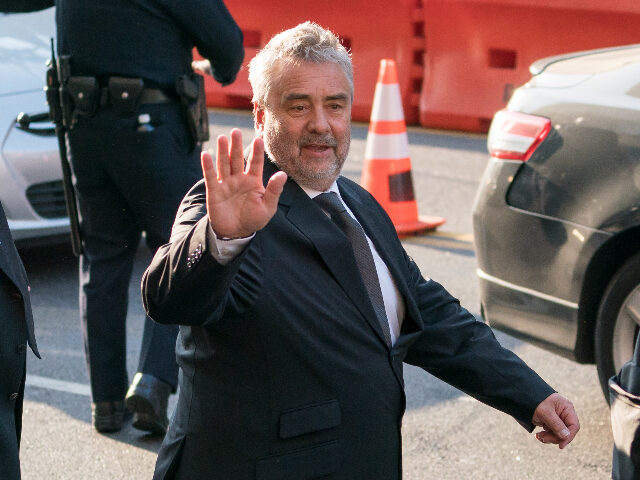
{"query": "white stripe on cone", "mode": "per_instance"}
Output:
(391, 108)
(387, 146)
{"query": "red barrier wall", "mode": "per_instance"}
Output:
(372, 29)
(478, 51)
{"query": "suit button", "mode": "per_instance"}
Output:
(17, 297)
(21, 348)
(13, 396)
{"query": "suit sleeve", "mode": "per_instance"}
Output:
(214, 32)
(184, 284)
(462, 351)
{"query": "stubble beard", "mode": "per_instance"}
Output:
(278, 146)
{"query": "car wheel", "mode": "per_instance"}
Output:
(618, 321)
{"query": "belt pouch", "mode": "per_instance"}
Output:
(124, 95)
(84, 95)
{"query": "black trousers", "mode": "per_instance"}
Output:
(127, 181)
(12, 376)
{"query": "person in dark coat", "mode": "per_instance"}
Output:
(17, 332)
(298, 304)
(134, 146)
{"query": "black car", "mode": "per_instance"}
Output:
(557, 215)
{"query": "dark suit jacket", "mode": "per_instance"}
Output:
(286, 374)
(17, 329)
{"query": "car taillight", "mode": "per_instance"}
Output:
(515, 136)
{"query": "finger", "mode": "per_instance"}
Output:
(222, 157)
(549, 437)
(274, 189)
(543, 437)
(570, 418)
(210, 178)
(208, 171)
(256, 158)
(554, 423)
(546, 436)
(235, 152)
(562, 420)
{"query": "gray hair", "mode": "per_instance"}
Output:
(307, 42)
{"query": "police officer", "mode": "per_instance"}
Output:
(135, 117)
(17, 332)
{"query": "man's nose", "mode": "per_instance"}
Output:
(319, 123)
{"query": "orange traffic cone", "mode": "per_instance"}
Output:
(387, 166)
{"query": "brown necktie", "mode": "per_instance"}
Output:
(331, 204)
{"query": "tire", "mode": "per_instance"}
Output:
(618, 321)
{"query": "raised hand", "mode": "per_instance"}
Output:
(237, 202)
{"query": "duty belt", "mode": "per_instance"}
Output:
(82, 96)
(147, 95)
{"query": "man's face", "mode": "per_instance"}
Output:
(306, 123)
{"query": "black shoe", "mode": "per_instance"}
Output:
(109, 416)
(147, 398)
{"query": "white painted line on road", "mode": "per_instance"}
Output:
(59, 385)
(465, 399)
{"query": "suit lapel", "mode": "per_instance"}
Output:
(332, 245)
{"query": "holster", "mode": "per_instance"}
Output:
(190, 89)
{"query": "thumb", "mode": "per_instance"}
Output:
(554, 423)
(274, 189)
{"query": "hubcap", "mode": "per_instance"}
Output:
(626, 328)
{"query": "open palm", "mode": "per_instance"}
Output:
(237, 202)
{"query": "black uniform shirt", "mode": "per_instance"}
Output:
(150, 39)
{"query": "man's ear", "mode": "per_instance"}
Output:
(258, 119)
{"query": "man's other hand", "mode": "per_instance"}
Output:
(237, 203)
(558, 420)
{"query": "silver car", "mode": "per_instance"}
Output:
(30, 174)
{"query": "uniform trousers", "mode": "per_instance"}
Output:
(127, 181)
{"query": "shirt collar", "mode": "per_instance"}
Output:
(314, 193)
